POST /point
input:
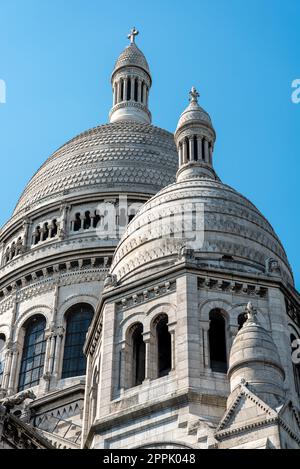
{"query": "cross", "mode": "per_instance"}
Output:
(134, 32)
(194, 95)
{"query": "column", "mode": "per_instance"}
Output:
(57, 353)
(119, 91)
(210, 153)
(180, 155)
(171, 329)
(184, 144)
(199, 146)
(132, 89)
(144, 93)
(125, 89)
(115, 97)
(191, 145)
(12, 385)
(7, 369)
(206, 151)
(146, 338)
(139, 91)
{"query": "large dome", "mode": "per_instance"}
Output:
(236, 235)
(114, 157)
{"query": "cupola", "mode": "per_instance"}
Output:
(131, 83)
(195, 138)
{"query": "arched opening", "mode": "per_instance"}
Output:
(87, 221)
(164, 354)
(33, 356)
(45, 231)
(195, 149)
(188, 149)
(2, 345)
(142, 92)
(242, 318)
(96, 219)
(136, 89)
(138, 354)
(217, 341)
(296, 366)
(53, 229)
(77, 222)
(128, 91)
(37, 235)
(122, 89)
(78, 319)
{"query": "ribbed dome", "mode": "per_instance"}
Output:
(132, 56)
(232, 227)
(123, 156)
(194, 113)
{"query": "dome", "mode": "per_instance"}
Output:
(254, 359)
(132, 56)
(194, 113)
(235, 235)
(116, 157)
(253, 343)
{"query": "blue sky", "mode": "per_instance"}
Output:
(56, 58)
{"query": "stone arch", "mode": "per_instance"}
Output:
(163, 308)
(43, 310)
(209, 305)
(73, 300)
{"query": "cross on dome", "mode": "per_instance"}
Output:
(134, 32)
(194, 95)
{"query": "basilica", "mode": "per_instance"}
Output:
(144, 303)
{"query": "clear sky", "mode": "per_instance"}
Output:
(56, 58)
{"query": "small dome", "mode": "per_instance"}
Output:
(132, 56)
(253, 343)
(254, 360)
(194, 113)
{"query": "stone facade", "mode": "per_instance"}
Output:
(172, 360)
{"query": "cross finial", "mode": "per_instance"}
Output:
(194, 95)
(134, 32)
(251, 313)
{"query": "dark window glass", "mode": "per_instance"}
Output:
(78, 321)
(139, 352)
(163, 346)
(33, 356)
(217, 342)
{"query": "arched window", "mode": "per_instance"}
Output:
(163, 337)
(138, 354)
(53, 228)
(217, 341)
(87, 221)
(242, 318)
(45, 231)
(33, 356)
(2, 345)
(78, 318)
(77, 222)
(296, 366)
